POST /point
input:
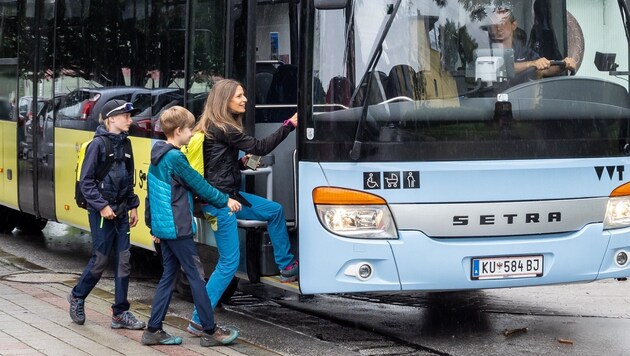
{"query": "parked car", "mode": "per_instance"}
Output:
(46, 116)
(161, 99)
(25, 107)
(80, 109)
(164, 98)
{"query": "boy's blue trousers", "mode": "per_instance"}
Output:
(175, 253)
(226, 237)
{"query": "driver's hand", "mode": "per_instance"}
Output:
(569, 63)
(541, 63)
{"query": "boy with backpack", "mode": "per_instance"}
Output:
(112, 210)
(169, 216)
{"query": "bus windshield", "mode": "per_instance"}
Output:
(428, 80)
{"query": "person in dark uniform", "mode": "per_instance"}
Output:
(503, 30)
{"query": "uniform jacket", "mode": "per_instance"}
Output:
(221, 164)
(171, 184)
(116, 188)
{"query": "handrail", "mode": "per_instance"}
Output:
(268, 173)
(275, 106)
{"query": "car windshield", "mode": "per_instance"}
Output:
(457, 81)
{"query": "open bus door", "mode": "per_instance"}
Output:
(271, 83)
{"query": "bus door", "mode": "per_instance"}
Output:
(275, 96)
(275, 91)
(49, 98)
(26, 104)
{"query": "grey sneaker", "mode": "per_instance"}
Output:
(77, 311)
(290, 273)
(160, 337)
(222, 336)
(127, 320)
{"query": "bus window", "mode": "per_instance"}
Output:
(8, 55)
(207, 52)
(276, 69)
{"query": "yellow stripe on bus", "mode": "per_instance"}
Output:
(8, 164)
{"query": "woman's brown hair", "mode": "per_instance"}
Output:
(216, 114)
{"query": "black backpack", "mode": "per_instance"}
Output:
(102, 171)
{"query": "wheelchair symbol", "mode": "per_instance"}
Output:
(370, 182)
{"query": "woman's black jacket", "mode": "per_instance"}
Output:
(222, 167)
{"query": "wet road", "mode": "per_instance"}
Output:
(585, 319)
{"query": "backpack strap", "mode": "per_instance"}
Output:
(128, 153)
(109, 159)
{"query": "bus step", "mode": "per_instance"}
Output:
(276, 282)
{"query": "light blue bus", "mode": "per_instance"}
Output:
(430, 154)
(429, 159)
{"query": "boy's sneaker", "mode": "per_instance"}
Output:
(160, 337)
(222, 336)
(77, 311)
(127, 320)
(195, 329)
(290, 273)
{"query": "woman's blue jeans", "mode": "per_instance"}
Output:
(226, 237)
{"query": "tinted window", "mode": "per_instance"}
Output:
(455, 81)
(8, 55)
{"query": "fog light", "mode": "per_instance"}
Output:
(364, 272)
(621, 258)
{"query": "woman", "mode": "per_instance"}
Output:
(222, 124)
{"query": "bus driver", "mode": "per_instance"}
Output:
(502, 31)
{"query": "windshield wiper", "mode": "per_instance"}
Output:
(355, 152)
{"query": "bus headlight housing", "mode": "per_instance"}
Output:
(354, 214)
(618, 208)
(617, 213)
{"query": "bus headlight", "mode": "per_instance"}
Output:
(618, 208)
(617, 213)
(355, 214)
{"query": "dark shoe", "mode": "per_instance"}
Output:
(194, 329)
(222, 336)
(290, 273)
(159, 337)
(127, 320)
(77, 311)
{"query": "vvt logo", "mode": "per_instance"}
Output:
(610, 170)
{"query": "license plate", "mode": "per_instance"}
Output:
(507, 267)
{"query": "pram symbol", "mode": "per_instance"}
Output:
(391, 179)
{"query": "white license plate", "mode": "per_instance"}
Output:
(507, 267)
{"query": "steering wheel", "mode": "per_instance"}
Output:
(561, 64)
(530, 73)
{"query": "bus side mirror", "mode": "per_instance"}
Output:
(330, 4)
(605, 62)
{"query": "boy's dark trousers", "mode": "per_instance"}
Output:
(175, 253)
(105, 235)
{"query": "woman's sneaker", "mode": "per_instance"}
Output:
(290, 273)
(160, 337)
(222, 336)
(127, 320)
(194, 329)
